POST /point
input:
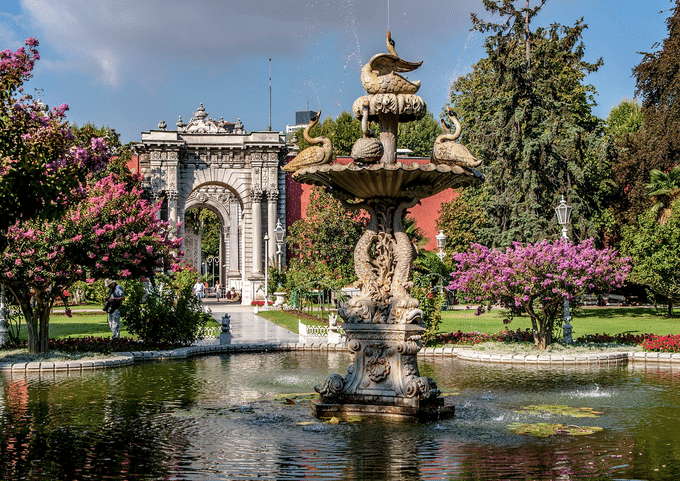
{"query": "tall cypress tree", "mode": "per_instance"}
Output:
(526, 112)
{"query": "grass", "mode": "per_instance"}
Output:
(290, 320)
(610, 320)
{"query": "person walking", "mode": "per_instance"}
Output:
(199, 289)
(113, 303)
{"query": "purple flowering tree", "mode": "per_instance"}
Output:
(537, 278)
(113, 232)
(42, 169)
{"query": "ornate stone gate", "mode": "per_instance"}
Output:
(217, 165)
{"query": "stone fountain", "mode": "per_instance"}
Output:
(383, 324)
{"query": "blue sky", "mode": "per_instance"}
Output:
(130, 63)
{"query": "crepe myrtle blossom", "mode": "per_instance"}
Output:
(44, 258)
(42, 169)
(536, 278)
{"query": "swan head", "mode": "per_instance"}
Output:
(391, 44)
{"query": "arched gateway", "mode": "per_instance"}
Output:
(214, 164)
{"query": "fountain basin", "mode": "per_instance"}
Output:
(398, 181)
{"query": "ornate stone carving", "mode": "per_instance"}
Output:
(272, 196)
(383, 324)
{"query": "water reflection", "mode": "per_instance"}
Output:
(215, 418)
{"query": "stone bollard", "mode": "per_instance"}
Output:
(566, 332)
(225, 335)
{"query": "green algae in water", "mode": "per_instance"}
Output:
(561, 410)
(543, 430)
(292, 399)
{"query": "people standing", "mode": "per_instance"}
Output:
(217, 290)
(199, 289)
(113, 303)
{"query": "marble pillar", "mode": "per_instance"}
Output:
(257, 234)
(272, 197)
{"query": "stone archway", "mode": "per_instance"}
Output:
(229, 209)
(215, 164)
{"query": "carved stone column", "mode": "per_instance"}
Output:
(256, 239)
(233, 238)
(172, 207)
(272, 197)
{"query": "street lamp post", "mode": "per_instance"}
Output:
(266, 268)
(441, 244)
(563, 212)
(278, 234)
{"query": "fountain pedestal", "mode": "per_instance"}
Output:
(382, 324)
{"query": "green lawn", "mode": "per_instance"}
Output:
(80, 325)
(615, 320)
(288, 320)
(612, 321)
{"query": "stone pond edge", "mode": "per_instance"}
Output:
(466, 354)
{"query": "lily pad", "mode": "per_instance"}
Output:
(561, 410)
(543, 430)
(293, 399)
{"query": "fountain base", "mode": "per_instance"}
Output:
(420, 412)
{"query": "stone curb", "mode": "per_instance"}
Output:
(119, 359)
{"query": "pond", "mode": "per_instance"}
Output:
(217, 417)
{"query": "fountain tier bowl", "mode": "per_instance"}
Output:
(396, 181)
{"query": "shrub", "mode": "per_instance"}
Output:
(163, 314)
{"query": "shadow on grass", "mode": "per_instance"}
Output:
(610, 313)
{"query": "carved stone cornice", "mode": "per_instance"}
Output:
(272, 196)
(256, 195)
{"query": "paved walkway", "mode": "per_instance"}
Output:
(246, 327)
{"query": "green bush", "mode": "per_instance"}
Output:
(163, 313)
(430, 303)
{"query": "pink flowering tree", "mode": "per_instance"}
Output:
(42, 169)
(113, 232)
(537, 278)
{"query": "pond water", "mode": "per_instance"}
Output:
(215, 418)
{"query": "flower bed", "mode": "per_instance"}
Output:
(261, 303)
(650, 342)
(670, 343)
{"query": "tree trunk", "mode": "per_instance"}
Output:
(37, 321)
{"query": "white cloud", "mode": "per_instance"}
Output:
(117, 39)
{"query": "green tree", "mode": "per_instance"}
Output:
(462, 220)
(347, 131)
(526, 112)
(419, 136)
(625, 118)
(664, 188)
(654, 248)
(206, 223)
(656, 145)
(322, 243)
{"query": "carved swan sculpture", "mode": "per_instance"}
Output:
(380, 75)
(447, 151)
(315, 154)
(367, 149)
